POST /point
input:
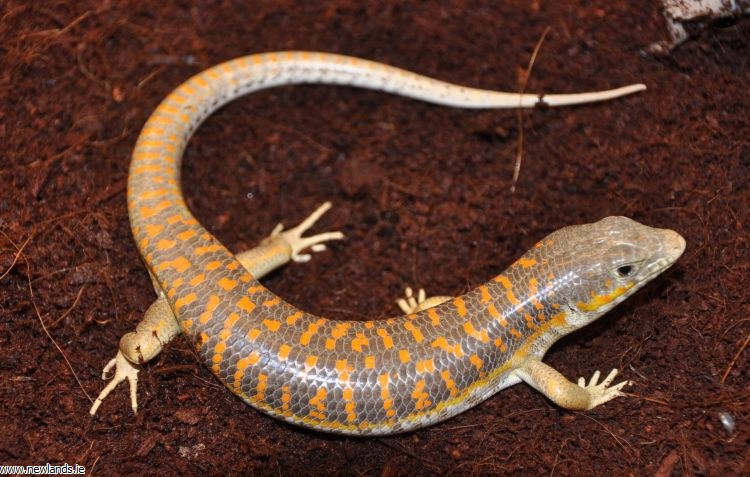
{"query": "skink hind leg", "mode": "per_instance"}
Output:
(568, 395)
(124, 369)
(159, 325)
(157, 328)
(413, 304)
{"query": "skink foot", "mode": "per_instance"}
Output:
(413, 304)
(124, 369)
(600, 393)
(298, 243)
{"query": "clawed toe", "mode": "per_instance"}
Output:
(599, 393)
(410, 303)
(314, 243)
(124, 370)
(413, 304)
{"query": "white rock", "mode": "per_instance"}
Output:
(678, 13)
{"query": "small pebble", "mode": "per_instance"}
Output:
(727, 421)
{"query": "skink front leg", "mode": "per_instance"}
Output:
(568, 395)
(159, 325)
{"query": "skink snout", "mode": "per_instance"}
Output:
(673, 244)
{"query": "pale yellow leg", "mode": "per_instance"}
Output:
(159, 325)
(294, 239)
(124, 369)
(157, 328)
(564, 393)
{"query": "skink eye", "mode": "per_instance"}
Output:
(625, 271)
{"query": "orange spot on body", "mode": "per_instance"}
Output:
(185, 300)
(245, 304)
(434, 317)
(526, 262)
(284, 351)
(260, 389)
(286, 397)
(478, 335)
(529, 321)
(387, 340)
(272, 325)
(349, 407)
(504, 281)
(217, 357)
(227, 283)
(442, 344)
(449, 382)
(145, 168)
(148, 212)
(312, 328)
(204, 249)
(403, 355)
(153, 142)
(420, 397)
(153, 230)
(311, 361)
(213, 302)
(385, 395)
(426, 366)
(341, 365)
(415, 332)
(339, 331)
(476, 361)
(500, 344)
(272, 302)
(486, 297)
(180, 264)
(292, 319)
(317, 400)
(241, 365)
(460, 306)
(231, 320)
(359, 342)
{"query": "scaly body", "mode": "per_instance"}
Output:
(364, 377)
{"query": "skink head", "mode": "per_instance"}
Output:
(601, 264)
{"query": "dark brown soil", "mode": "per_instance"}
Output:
(423, 195)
